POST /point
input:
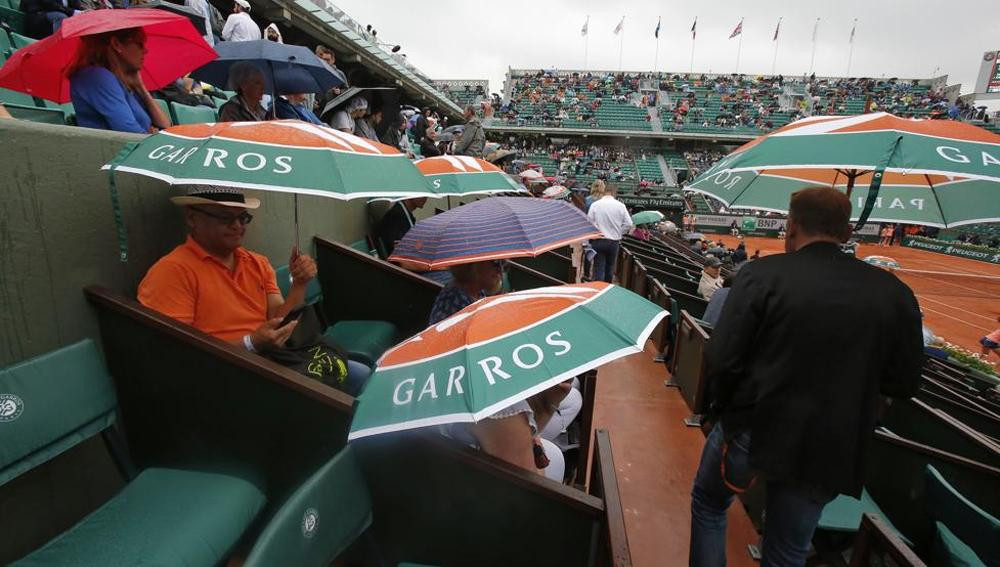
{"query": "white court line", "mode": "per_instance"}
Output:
(953, 268)
(974, 326)
(973, 313)
(977, 291)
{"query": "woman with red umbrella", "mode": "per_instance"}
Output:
(106, 85)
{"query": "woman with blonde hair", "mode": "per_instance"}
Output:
(105, 84)
(597, 190)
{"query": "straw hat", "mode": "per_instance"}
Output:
(215, 195)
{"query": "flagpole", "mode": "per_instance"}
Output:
(812, 59)
(739, 47)
(691, 67)
(777, 38)
(850, 53)
(621, 45)
(586, 42)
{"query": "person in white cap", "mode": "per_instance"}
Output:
(344, 119)
(239, 26)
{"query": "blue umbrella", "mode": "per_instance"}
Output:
(290, 68)
(493, 229)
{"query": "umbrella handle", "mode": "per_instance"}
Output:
(876, 183)
(116, 207)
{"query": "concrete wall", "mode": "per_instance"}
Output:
(57, 232)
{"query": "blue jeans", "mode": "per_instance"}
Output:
(604, 261)
(56, 19)
(357, 375)
(791, 512)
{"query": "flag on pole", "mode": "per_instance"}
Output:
(585, 24)
(656, 33)
(694, 27)
(737, 30)
(853, 29)
(620, 26)
(776, 30)
(815, 28)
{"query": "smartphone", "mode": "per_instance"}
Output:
(293, 315)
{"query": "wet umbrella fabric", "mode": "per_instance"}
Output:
(289, 69)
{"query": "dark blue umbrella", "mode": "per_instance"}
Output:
(493, 229)
(287, 68)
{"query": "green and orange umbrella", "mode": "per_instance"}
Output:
(455, 176)
(501, 350)
(931, 172)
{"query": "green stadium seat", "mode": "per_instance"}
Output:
(968, 522)
(843, 514)
(20, 41)
(163, 516)
(364, 340)
(184, 114)
(324, 516)
(6, 47)
(14, 18)
(164, 106)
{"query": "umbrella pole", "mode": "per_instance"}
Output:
(851, 176)
(296, 205)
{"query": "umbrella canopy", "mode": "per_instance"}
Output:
(647, 217)
(465, 175)
(287, 69)
(882, 262)
(493, 229)
(501, 350)
(531, 174)
(175, 48)
(555, 192)
(197, 19)
(279, 155)
(931, 172)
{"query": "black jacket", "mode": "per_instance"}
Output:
(805, 344)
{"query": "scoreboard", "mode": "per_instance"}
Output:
(989, 73)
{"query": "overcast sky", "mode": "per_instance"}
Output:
(454, 39)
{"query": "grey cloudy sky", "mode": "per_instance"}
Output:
(454, 39)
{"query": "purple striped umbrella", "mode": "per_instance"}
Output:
(493, 229)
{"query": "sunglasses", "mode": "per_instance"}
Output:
(243, 218)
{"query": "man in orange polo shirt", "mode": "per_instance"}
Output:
(214, 284)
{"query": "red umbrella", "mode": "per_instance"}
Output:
(174, 49)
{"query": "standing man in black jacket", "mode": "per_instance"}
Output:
(806, 343)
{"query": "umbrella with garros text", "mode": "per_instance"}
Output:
(931, 172)
(279, 155)
(501, 350)
(288, 156)
(465, 175)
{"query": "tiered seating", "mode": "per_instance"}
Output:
(649, 168)
(11, 15)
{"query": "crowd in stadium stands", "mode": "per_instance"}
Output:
(745, 103)
(700, 160)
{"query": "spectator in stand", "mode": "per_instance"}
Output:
(272, 33)
(239, 25)
(714, 308)
(345, 118)
(473, 138)
(248, 81)
(611, 217)
(396, 222)
(366, 126)
(294, 107)
(785, 412)
(740, 254)
(597, 189)
(44, 17)
(202, 8)
(991, 342)
(105, 84)
(711, 280)
(330, 58)
(215, 285)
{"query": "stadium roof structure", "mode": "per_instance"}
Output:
(331, 25)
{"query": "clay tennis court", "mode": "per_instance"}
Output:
(959, 297)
